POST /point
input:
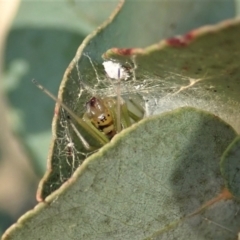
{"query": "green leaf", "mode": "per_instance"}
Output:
(40, 46)
(70, 15)
(162, 70)
(161, 177)
(230, 167)
(163, 184)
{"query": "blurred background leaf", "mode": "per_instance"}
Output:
(42, 41)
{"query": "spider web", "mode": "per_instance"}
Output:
(155, 93)
(150, 92)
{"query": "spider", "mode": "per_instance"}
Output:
(104, 117)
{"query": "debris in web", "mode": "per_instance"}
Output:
(115, 70)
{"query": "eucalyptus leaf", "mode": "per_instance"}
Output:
(151, 204)
(163, 184)
(230, 167)
(40, 46)
(160, 72)
(68, 15)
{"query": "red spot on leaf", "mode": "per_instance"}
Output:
(56, 110)
(125, 51)
(175, 42)
(180, 41)
(226, 194)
